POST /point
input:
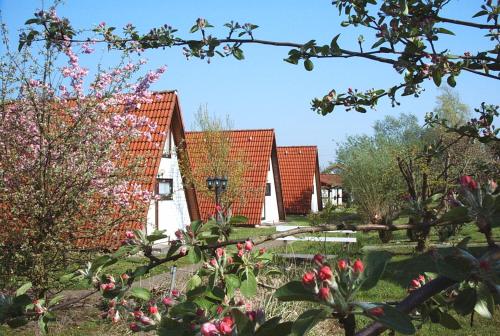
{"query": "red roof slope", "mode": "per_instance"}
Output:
(165, 112)
(298, 166)
(331, 180)
(256, 146)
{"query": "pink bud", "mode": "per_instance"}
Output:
(219, 252)
(318, 258)
(324, 293)
(129, 235)
(168, 301)
(358, 266)
(208, 329)
(248, 245)
(153, 310)
(134, 327)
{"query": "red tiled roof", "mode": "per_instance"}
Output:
(256, 147)
(331, 180)
(298, 165)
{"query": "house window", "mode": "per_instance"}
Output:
(268, 189)
(167, 149)
(164, 188)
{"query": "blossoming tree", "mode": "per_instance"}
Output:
(65, 177)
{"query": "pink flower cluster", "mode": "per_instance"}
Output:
(220, 327)
(322, 279)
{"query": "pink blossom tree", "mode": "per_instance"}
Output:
(66, 179)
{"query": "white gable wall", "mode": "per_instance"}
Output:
(314, 197)
(172, 214)
(271, 202)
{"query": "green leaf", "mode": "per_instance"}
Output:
(140, 271)
(22, 301)
(378, 43)
(269, 327)
(184, 308)
(242, 322)
(456, 264)
(249, 284)
(445, 31)
(294, 291)
(308, 65)
(455, 215)
(194, 29)
(238, 54)
(451, 81)
(170, 327)
(465, 301)
(55, 300)
(480, 13)
(404, 7)
(196, 226)
(23, 289)
(449, 321)
(194, 255)
(436, 76)
(102, 261)
(375, 265)
(391, 317)
(232, 282)
(485, 304)
(194, 282)
(140, 293)
(307, 320)
(334, 47)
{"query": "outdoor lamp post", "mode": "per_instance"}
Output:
(219, 185)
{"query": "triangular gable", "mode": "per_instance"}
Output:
(298, 167)
(257, 147)
(165, 112)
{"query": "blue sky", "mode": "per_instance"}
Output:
(263, 91)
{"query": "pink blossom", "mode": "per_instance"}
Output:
(209, 329)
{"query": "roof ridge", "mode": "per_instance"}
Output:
(303, 146)
(238, 130)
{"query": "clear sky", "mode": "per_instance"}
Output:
(263, 91)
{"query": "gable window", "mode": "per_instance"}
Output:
(268, 189)
(164, 188)
(167, 149)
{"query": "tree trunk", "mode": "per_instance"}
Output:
(349, 324)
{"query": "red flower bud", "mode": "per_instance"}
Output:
(248, 245)
(125, 276)
(134, 327)
(376, 311)
(358, 266)
(324, 293)
(129, 235)
(414, 283)
(213, 262)
(318, 258)
(219, 252)
(468, 182)
(168, 301)
(308, 278)
(219, 309)
(153, 309)
(342, 264)
(421, 279)
(239, 246)
(262, 251)
(225, 326)
(484, 265)
(176, 293)
(325, 273)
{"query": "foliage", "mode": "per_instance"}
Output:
(405, 34)
(63, 157)
(211, 155)
(369, 168)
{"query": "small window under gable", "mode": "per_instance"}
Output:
(268, 189)
(165, 188)
(167, 149)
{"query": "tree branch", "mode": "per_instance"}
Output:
(413, 300)
(467, 23)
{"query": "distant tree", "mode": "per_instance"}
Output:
(369, 167)
(212, 155)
